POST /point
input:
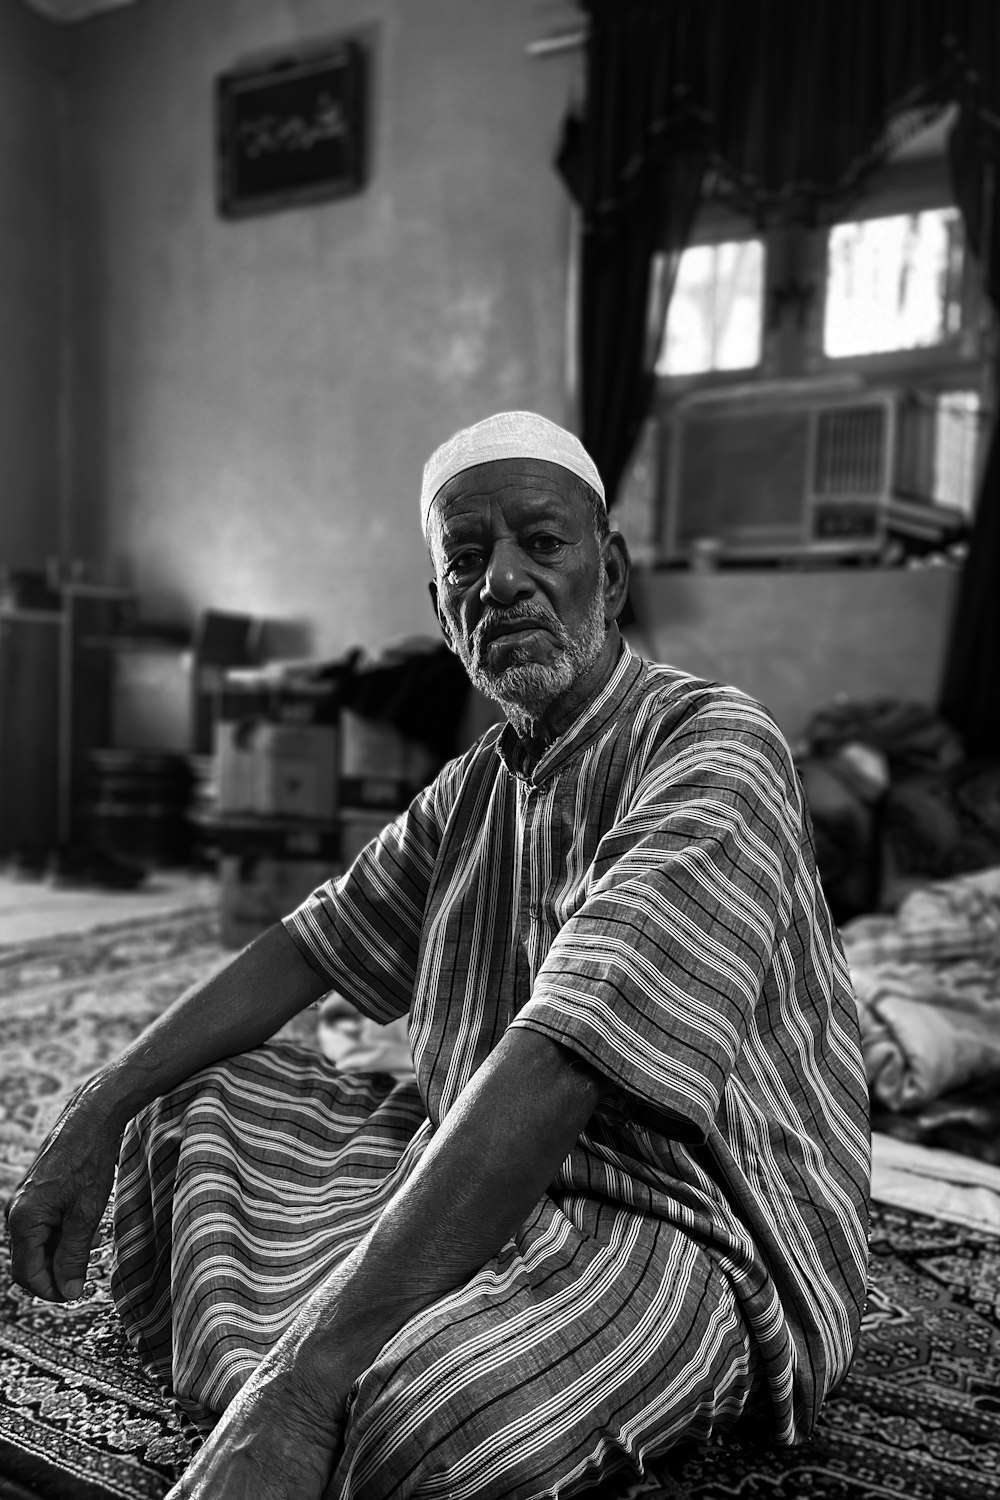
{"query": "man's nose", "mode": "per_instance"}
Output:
(506, 579)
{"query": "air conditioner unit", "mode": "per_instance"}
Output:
(781, 471)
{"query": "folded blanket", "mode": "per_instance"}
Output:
(927, 982)
(940, 1183)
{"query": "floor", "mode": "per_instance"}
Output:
(32, 909)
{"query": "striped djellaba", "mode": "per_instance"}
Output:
(648, 897)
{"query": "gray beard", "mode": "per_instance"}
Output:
(526, 688)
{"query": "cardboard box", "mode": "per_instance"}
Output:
(236, 761)
(379, 766)
(277, 750)
(257, 893)
(266, 869)
(221, 641)
(295, 771)
(361, 793)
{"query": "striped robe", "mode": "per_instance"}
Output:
(647, 895)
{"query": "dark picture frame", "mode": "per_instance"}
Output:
(292, 131)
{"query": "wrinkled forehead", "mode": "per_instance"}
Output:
(521, 486)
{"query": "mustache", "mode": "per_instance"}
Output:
(497, 619)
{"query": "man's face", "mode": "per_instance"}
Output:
(521, 581)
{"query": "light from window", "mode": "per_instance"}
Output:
(715, 314)
(957, 429)
(893, 283)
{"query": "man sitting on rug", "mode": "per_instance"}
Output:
(625, 1198)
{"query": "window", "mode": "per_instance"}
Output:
(893, 283)
(714, 322)
(956, 439)
(878, 317)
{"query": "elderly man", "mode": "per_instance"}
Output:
(624, 1202)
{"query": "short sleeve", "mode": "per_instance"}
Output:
(362, 931)
(655, 978)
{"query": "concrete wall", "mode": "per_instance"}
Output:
(796, 640)
(254, 399)
(29, 289)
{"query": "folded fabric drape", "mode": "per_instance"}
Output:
(635, 167)
(927, 983)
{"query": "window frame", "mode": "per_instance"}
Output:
(791, 352)
(796, 253)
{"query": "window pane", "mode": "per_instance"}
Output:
(893, 283)
(715, 314)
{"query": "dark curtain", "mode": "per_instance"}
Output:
(791, 104)
(970, 695)
(637, 174)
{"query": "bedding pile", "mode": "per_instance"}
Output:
(895, 803)
(927, 981)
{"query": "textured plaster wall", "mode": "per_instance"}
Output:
(254, 400)
(797, 640)
(29, 290)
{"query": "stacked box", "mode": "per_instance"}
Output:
(380, 767)
(303, 785)
(276, 827)
(267, 869)
(222, 642)
(277, 752)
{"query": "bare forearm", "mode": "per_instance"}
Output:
(236, 1009)
(492, 1159)
(57, 1208)
(485, 1170)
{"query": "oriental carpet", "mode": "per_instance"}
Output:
(918, 1416)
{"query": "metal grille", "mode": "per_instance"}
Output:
(850, 453)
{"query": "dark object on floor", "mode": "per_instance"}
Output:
(894, 803)
(81, 866)
(946, 823)
(137, 806)
(11, 1490)
(27, 862)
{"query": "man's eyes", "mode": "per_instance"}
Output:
(469, 561)
(472, 560)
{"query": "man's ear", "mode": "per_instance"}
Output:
(445, 629)
(617, 568)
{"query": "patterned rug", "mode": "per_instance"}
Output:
(918, 1417)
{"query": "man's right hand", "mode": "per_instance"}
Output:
(55, 1213)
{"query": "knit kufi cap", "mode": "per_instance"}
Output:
(509, 434)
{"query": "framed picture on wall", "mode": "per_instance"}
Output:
(292, 132)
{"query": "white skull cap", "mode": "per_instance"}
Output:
(509, 434)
